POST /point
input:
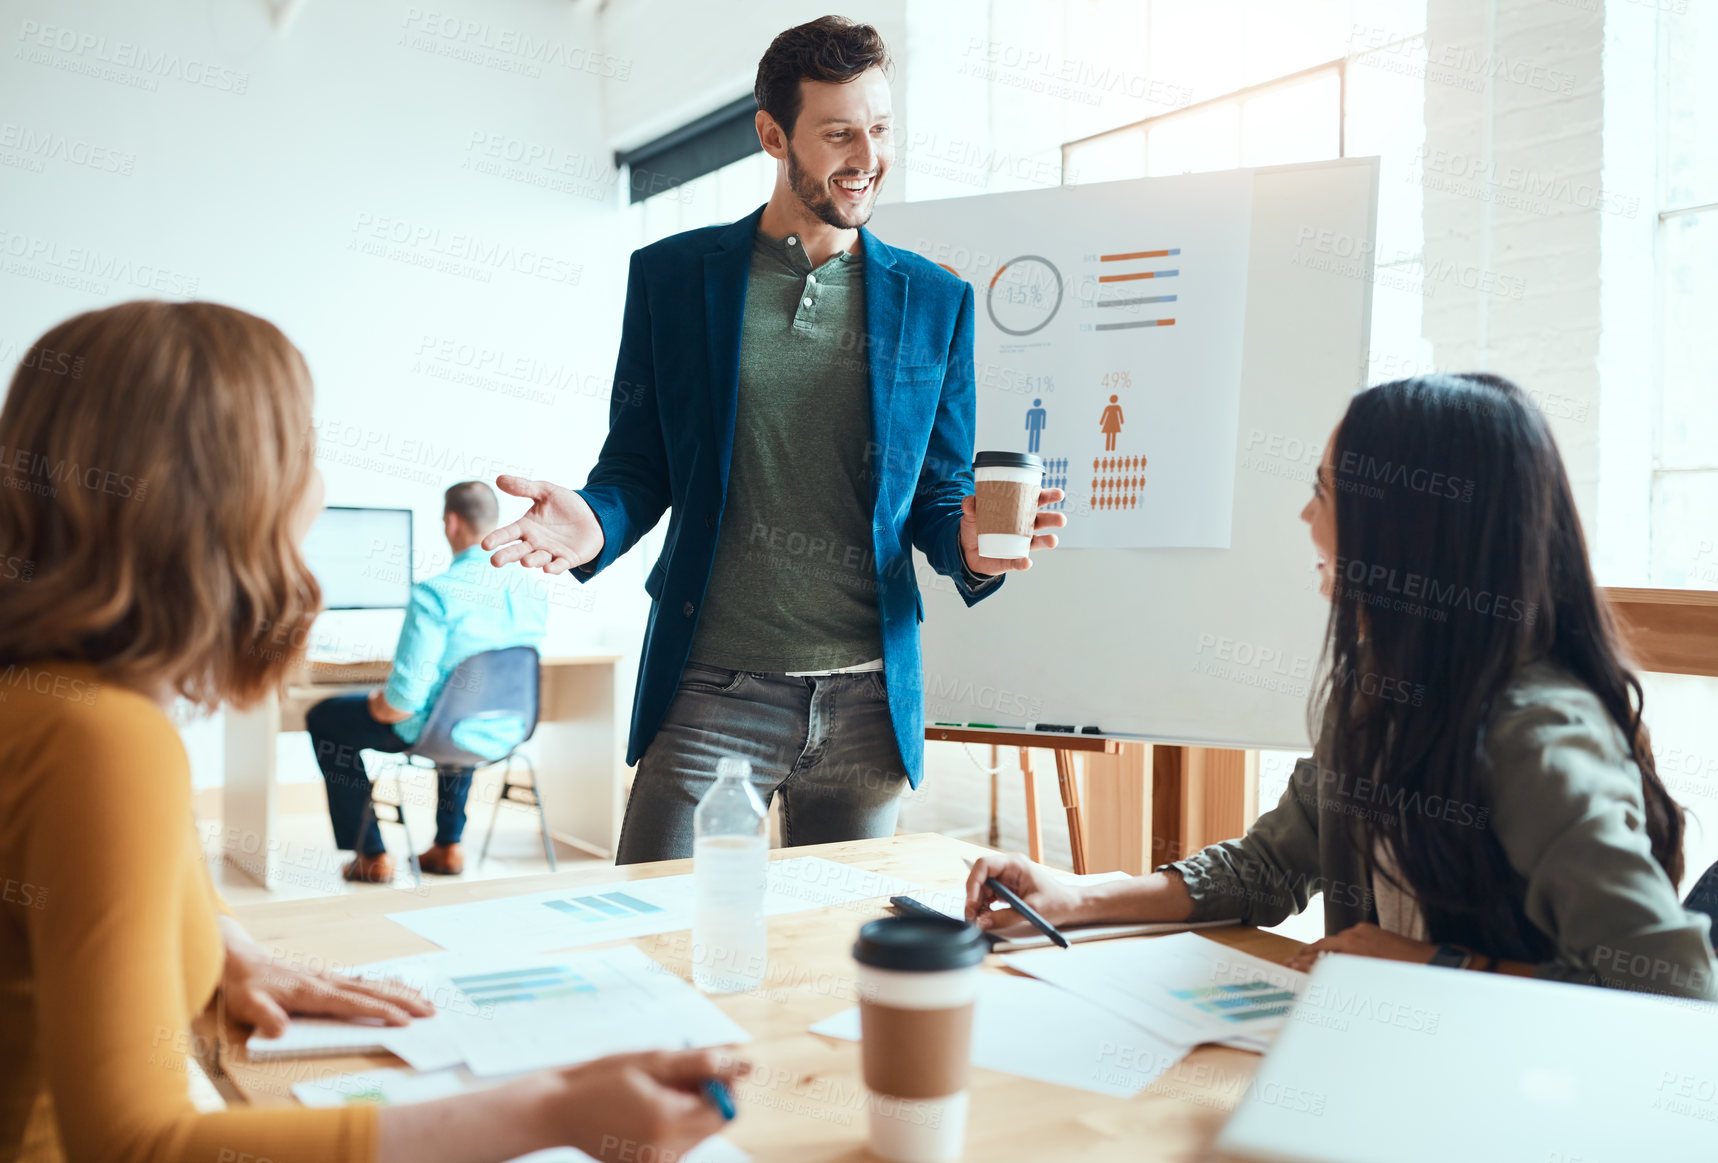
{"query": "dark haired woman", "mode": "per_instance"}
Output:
(1481, 793)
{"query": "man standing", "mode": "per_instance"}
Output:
(452, 616)
(801, 395)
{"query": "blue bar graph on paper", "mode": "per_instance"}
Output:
(600, 907)
(632, 902)
(572, 908)
(531, 983)
(1240, 1002)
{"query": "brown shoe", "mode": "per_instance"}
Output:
(443, 860)
(369, 869)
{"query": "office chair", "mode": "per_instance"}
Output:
(492, 685)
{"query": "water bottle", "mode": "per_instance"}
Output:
(730, 863)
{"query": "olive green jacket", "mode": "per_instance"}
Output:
(1561, 794)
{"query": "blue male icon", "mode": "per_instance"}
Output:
(1036, 418)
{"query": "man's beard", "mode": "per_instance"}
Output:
(821, 202)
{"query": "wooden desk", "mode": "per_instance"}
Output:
(1668, 631)
(806, 1103)
(577, 750)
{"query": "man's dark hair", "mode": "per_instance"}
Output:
(830, 48)
(474, 503)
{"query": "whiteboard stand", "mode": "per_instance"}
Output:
(1067, 776)
(1151, 803)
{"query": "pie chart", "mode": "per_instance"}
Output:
(1024, 295)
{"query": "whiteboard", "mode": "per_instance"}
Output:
(1204, 646)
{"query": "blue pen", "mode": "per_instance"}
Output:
(720, 1097)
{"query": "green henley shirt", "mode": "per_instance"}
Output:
(794, 584)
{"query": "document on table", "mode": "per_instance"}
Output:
(1026, 1027)
(502, 1013)
(321, 1038)
(393, 1087)
(425, 1044)
(715, 1149)
(621, 909)
(381, 1087)
(1182, 987)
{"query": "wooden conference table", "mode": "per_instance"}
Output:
(805, 1102)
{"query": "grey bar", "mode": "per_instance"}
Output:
(1131, 302)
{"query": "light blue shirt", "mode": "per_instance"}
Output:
(470, 609)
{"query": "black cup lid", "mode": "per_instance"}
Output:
(1008, 460)
(920, 944)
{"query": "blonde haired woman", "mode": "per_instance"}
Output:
(154, 486)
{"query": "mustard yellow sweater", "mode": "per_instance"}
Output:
(109, 944)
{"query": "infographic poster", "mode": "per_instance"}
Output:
(1108, 341)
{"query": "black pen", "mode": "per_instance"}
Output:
(1007, 896)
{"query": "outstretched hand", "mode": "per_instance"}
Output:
(557, 533)
(969, 534)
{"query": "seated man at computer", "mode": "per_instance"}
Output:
(451, 617)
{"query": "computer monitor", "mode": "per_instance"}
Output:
(362, 558)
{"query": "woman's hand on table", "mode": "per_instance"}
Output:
(1363, 940)
(1058, 903)
(641, 1106)
(260, 992)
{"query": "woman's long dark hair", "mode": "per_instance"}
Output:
(1459, 559)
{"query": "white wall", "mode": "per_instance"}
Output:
(691, 58)
(459, 310)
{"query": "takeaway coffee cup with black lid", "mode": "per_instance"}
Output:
(1007, 487)
(918, 980)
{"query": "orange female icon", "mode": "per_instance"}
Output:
(1110, 424)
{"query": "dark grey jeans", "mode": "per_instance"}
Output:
(825, 744)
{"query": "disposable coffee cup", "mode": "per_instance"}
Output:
(918, 981)
(1008, 484)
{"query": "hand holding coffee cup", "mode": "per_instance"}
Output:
(1003, 521)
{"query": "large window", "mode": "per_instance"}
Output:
(1292, 119)
(723, 195)
(1685, 472)
(1340, 88)
(1684, 554)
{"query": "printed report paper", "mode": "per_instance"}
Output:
(622, 909)
(1181, 987)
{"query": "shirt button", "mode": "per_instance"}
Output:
(791, 239)
(811, 278)
(807, 302)
(687, 609)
